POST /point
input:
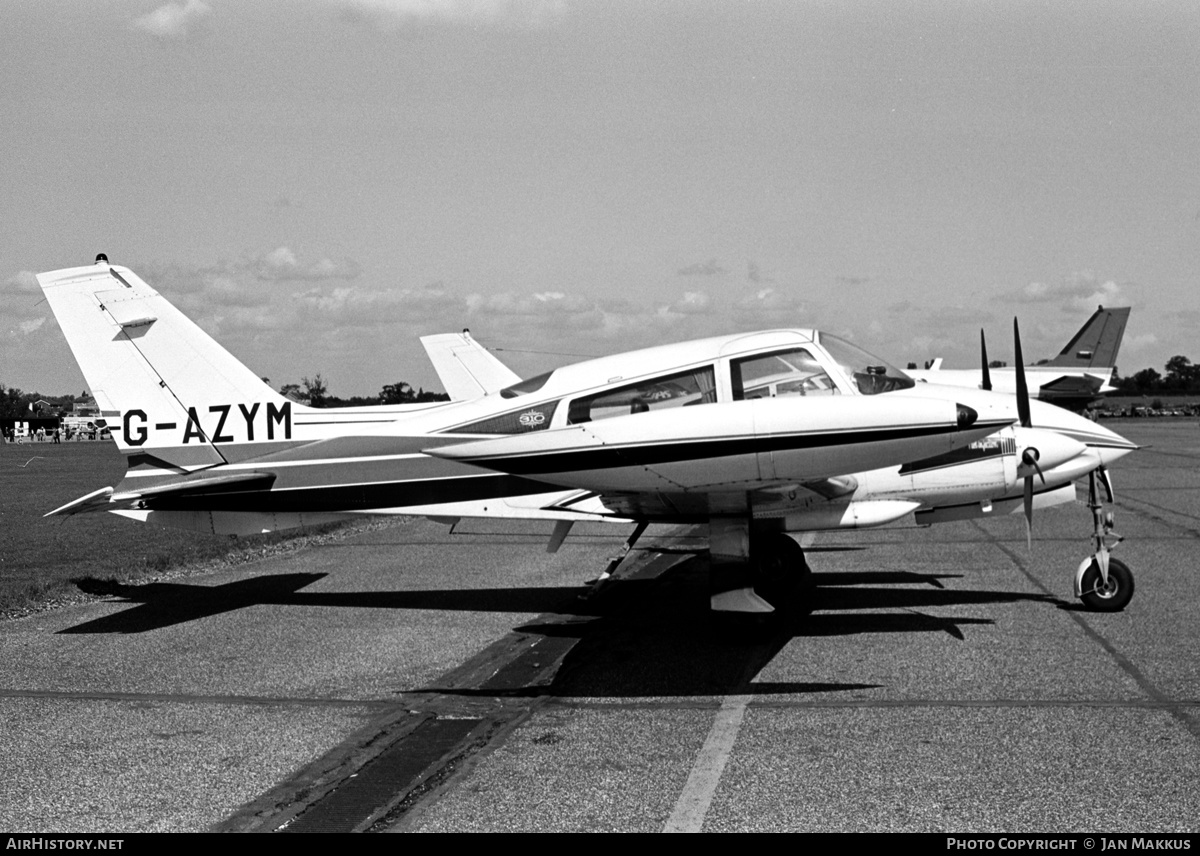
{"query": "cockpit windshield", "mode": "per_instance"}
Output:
(869, 373)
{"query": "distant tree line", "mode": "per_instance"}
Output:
(18, 405)
(15, 404)
(314, 392)
(1182, 378)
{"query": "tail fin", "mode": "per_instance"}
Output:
(1097, 342)
(164, 387)
(465, 367)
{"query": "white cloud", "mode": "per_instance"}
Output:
(770, 307)
(354, 306)
(173, 20)
(506, 13)
(1138, 343)
(25, 281)
(691, 303)
(546, 303)
(227, 291)
(282, 264)
(22, 306)
(712, 267)
(1081, 291)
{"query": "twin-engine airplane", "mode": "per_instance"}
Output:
(1081, 373)
(759, 435)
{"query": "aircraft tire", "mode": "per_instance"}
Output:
(780, 568)
(1116, 596)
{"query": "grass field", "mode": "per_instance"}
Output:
(39, 557)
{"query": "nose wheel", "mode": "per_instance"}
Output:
(1102, 583)
(1107, 595)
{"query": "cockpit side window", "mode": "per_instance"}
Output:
(678, 390)
(783, 373)
(866, 371)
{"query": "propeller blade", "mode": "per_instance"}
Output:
(1022, 387)
(987, 375)
(1029, 512)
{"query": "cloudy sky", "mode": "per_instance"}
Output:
(319, 182)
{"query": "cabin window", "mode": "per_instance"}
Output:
(678, 390)
(791, 372)
(535, 418)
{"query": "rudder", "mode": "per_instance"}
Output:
(1097, 342)
(162, 383)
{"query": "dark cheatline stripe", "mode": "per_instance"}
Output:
(648, 454)
(978, 451)
(356, 497)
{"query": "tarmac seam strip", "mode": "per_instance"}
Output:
(166, 698)
(487, 695)
(1002, 703)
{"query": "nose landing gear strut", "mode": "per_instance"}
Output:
(1103, 583)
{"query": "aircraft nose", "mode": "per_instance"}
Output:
(1108, 445)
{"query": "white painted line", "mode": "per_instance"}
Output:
(697, 795)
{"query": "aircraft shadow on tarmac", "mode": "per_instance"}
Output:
(661, 640)
(638, 638)
(162, 605)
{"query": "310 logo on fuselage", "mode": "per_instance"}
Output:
(136, 425)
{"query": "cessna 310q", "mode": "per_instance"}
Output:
(758, 435)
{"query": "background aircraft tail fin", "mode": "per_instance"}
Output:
(1097, 342)
(465, 367)
(161, 382)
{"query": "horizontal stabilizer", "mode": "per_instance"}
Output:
(97, 500)
(105, 500)
(1071, 385)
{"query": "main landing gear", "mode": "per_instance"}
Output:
(752, 572)
(1103, 583)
